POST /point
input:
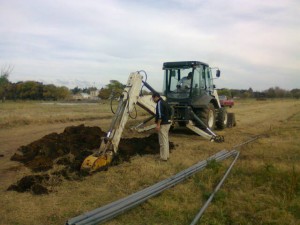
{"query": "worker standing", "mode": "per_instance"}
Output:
(163, 124)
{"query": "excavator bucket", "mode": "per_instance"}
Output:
(93, 163)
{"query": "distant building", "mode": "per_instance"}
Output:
(94, 94)
(84, 96)
(81, 96)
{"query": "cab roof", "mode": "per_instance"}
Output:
(182, 64)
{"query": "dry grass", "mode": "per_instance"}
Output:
(263, 187)
(26, 113)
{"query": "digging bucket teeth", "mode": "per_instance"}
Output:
(93, 163)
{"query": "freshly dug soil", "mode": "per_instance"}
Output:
(31, 183)
(61, 155)
(75, 140)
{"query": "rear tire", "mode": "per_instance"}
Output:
(231, 122)
(222, 118)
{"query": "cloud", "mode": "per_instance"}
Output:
(254, 43)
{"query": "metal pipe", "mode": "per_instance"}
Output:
(113, 209)
(199, 214)
(246, 142)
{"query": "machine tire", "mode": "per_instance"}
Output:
(231, 122)
(222, 118)
(208, 116)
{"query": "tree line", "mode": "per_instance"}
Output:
(273, 92)
(33, 90)
(29, 90)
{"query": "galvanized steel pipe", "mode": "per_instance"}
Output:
(199, 214)
(113, 209)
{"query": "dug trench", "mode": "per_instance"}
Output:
(57, 157)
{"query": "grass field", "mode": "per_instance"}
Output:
(262, 188)
(26, 113)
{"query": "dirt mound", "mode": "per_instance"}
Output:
(75, 140)
(32, 183)
(132, 146)
(61, 155)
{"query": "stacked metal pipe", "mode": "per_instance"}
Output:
(113, 209)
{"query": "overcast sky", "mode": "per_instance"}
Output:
(89, 42)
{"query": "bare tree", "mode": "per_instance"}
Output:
(6, 70)
(4, 82)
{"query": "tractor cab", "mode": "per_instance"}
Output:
(187, 81)
(189, 89)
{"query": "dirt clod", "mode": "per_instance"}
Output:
(39, 189)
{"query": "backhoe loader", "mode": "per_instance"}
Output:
(195, 105)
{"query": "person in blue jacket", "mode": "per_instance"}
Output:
(163, 124)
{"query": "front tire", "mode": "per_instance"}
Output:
(208, 116)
